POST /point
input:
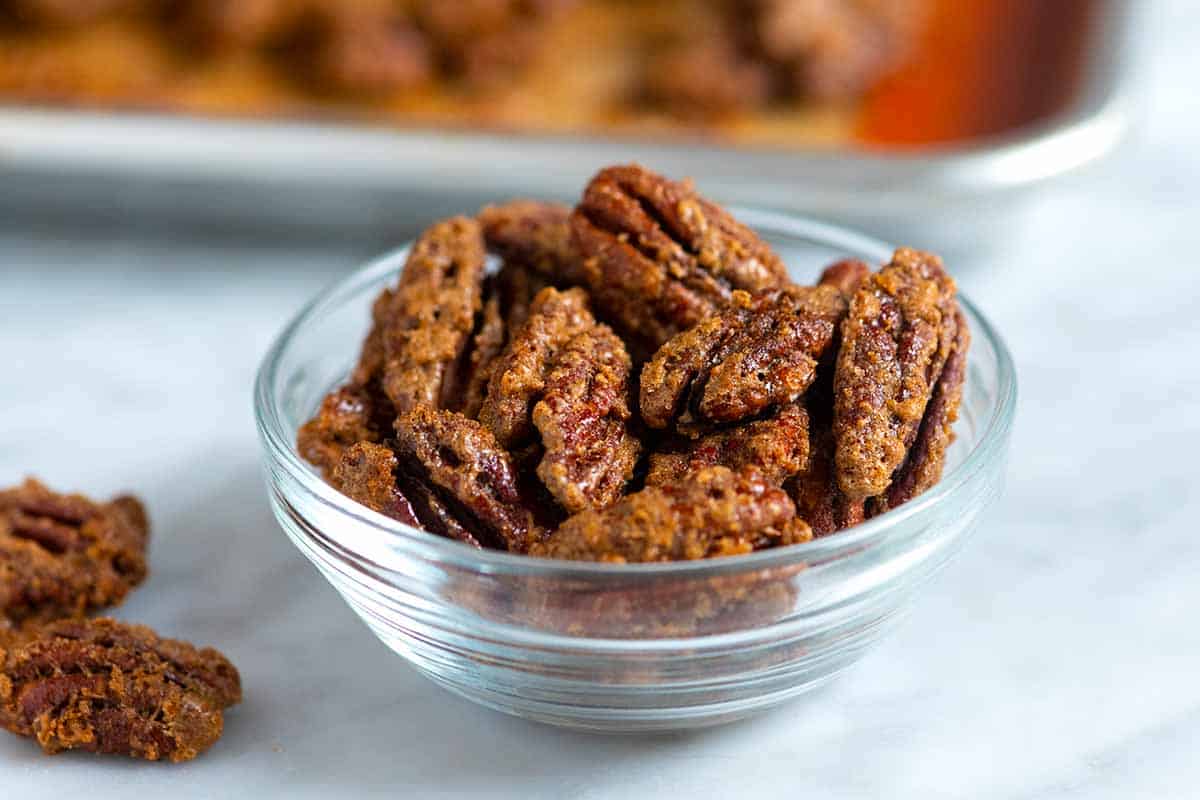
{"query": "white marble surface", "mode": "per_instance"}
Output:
(1056, 659)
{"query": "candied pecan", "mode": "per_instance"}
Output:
(348, 415)
(458, 461)
(776, 446)
(658, 257)
(819, 501)
(757, 353)
(711, 512)
(535, 235)
(366, 474)
(845, 276)
(923, 467)
(705, 78)
(830, 51)
(895, 340)
(64, 555)
(566, 378)
(425, 323)
(109, 687)
(583, 418)
(487, 344)
(555, 318)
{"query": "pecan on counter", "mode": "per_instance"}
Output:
(64, 555)
(109, 687)
(896, 338)
(454, 472)
(658, 257)
(564, 381)
(758, 353)
(776, 446)
(711, 512)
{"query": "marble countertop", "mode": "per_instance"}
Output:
(1056, 658)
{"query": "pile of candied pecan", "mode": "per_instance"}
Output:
(95, 684)
(641, 381)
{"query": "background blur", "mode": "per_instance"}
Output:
(1057, 657)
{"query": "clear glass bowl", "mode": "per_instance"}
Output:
(637, 647)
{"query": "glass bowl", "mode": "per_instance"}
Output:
(638, 647)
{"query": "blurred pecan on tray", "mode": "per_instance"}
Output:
(110, 687)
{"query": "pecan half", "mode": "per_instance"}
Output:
(425, 324)
(777, 447)
(758, 353)
(367, 474)
(923, 467)
(108, 687)
(534, 235)
(347, 415)
(895, 341)
(64, 555)
(565, 378)
(658, 257)
(457, 461)
(711, 512)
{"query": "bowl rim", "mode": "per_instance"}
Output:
(279, 441)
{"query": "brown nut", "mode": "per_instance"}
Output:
(896, 338)
(66, 556)
(711, 512)
(658, 257)
(108, 687)
(756, 354)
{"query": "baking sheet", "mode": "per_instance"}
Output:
(345, 180)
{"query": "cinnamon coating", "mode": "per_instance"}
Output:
(109, 687)
(534, 235)
(711, 512)
(458, 463)
(659, 258)
(895, 340)
(425, 324)
(758, 353)
(65, 555)
(777, 447)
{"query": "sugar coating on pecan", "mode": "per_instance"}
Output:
(923, 466)
(534, 235)
(565, 378)
(658, 257)
(486, 346)
(366, 474)
(64, 555)
(583, 417)
(427, 321)
(895, 340)
(109, 687)
(711, 512)
(555, 318)
(757, 353)
(457, 461)
(347, 415)
(776, 446)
